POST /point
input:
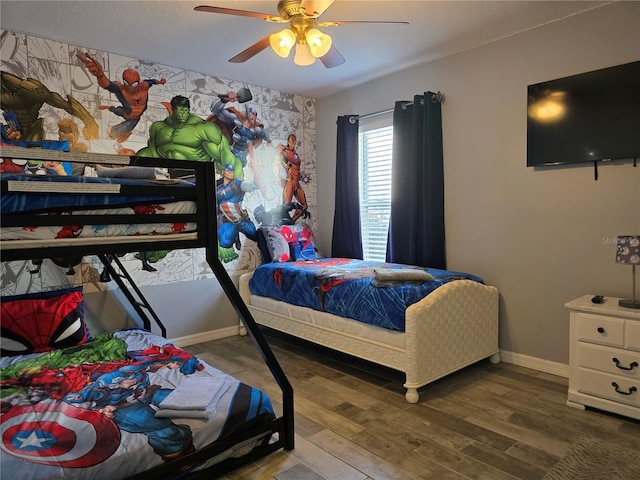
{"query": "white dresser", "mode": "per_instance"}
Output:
(604, 356)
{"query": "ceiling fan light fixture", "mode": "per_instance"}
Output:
(302, 17)
(319, 43)
(303, 56)
(282, 42)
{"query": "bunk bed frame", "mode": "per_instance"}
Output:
(205, 236)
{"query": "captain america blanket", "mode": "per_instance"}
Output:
(348, 288)
(93, 411)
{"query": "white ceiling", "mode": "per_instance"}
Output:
(171, 33)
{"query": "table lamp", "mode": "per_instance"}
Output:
(628, 253)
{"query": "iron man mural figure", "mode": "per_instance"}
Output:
(291, 162)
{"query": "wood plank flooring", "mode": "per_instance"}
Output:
(487, 422)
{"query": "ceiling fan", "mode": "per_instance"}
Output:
(302, 32)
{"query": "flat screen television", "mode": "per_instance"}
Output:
(585, 118)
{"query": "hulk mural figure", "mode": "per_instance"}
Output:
(184, 136)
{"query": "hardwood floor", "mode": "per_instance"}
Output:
(488, 421)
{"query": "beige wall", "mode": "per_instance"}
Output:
(541, 236)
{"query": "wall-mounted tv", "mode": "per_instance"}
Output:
(585, 118)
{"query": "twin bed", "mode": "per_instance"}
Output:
(425, 328)
(451, 321)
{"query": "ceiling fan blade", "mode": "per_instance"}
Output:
(233, 11)
(332, 58)
(254, 49)
(315, 7)
(337, 23)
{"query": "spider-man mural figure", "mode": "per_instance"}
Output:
(133, 96)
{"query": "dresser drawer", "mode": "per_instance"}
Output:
(609, 360)
(601, 385)
(599, 329)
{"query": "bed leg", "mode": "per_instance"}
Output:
(495, 358)
(412, 395)
(242, 330)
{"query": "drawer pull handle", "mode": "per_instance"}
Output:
(631, 366)
(600, 330)
(631, 389)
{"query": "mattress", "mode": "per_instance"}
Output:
(346, 326)
(96, 412)
(52, 232)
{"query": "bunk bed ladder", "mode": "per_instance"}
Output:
(139, 302)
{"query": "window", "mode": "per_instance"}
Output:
(375, 139)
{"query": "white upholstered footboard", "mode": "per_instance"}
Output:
(455, 326)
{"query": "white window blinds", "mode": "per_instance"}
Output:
(376, 139)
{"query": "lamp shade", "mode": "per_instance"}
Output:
(319, 42)
(628, 251)
(303, 56)
(282, 42)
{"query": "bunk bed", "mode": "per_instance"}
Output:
(214, 445)
(426, 323)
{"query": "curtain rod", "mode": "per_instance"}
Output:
(352, 118)
(435, 98)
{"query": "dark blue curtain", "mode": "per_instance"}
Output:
(346, 241)
(416, 224)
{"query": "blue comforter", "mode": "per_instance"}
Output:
(347, 288)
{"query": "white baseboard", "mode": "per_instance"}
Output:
(204, 336)
(546, 366)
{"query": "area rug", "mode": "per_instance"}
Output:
(592, 459)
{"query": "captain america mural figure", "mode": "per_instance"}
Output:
(233, 219)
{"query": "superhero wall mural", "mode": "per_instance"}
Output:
(79, 99)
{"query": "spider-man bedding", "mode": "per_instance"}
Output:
(352, 288)
(118, 405)
(72, 195)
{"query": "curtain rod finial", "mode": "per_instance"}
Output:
(437, 97)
